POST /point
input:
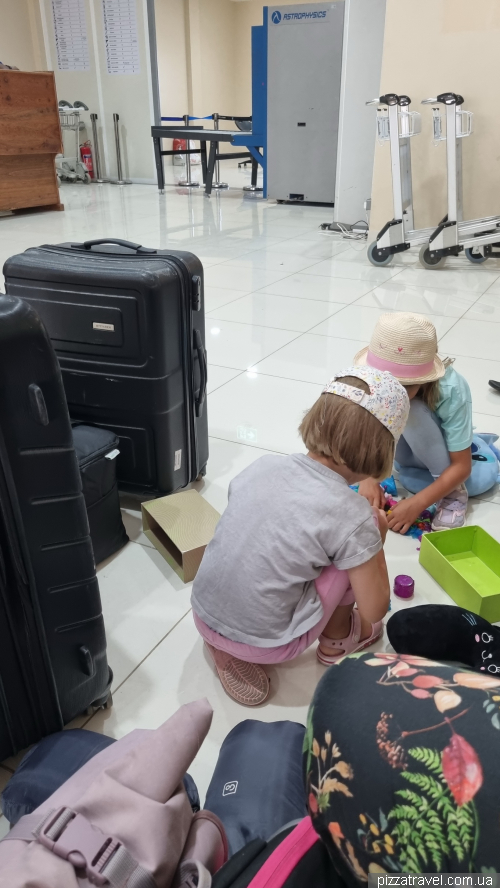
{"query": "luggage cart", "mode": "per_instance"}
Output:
(70, 167)
(478, 237)
(396, 124)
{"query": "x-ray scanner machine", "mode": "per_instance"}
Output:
(312, 67)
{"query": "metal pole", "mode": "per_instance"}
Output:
(460, 215)
(453, 149)
(217, 183)
(120, 180)
(97, 154)
(405, 119)
(253, 188)
(77, 136)
(395, 161)
(187, 183)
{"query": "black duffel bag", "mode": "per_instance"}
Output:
(96, 450)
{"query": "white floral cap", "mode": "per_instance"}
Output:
(388, 400)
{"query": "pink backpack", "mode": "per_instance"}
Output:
(123, 820)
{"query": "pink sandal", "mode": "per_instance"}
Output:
(350, 644)
(247, 683)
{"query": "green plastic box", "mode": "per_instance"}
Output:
(466, 563)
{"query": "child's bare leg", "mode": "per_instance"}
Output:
(339, 625)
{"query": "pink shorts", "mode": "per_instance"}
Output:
(333, 589)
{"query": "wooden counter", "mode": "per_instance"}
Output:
(30, 138)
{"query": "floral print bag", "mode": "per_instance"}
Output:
(402, 766)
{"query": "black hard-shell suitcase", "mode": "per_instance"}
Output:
(53, 662)
(128, 327)
(96, 451)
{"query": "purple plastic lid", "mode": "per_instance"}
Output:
(404, 586)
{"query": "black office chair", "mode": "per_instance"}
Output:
(244, 124)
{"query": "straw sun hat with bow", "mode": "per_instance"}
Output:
(405, 344)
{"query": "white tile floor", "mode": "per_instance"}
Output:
(286, 306)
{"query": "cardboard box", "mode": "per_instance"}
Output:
(466, 563)
(180, 526)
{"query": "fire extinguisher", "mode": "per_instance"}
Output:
(86, 155)
(179, 145)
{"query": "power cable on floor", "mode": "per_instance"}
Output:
(346, 232)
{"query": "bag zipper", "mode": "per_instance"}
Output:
(94, 457)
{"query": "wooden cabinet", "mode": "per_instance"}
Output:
(30, 137)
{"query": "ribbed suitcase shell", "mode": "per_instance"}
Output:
(52, 642)
(128, 327)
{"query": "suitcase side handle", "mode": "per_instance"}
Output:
(87, 245)
(202, 360)
(38, 406)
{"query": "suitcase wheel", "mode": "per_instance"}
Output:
(202, 473)
(103, 703)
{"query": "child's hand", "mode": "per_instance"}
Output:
(402, 516)
(372, 491)
(383, 526)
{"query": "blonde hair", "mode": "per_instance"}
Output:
(347, 433)
(429, 393)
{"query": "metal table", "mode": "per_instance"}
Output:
(253, 142)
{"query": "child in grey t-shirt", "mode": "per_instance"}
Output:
(296, 547)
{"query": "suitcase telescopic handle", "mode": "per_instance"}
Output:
(202, 360)
(87, 245)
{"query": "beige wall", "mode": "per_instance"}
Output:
(432, 46)
(20, 45)
(171, 43)
(196, 58)
(246, 15)
(218, 58)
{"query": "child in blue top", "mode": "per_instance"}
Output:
(433, 455)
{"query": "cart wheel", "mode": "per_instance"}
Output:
(475, 258)
(429, 259)
(379, 257)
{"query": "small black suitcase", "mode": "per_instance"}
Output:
(53, 662)
(257, 761)
(128, 327)
(96, 451)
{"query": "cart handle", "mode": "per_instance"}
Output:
(387, 99)
(445, 99)
(87, 245)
